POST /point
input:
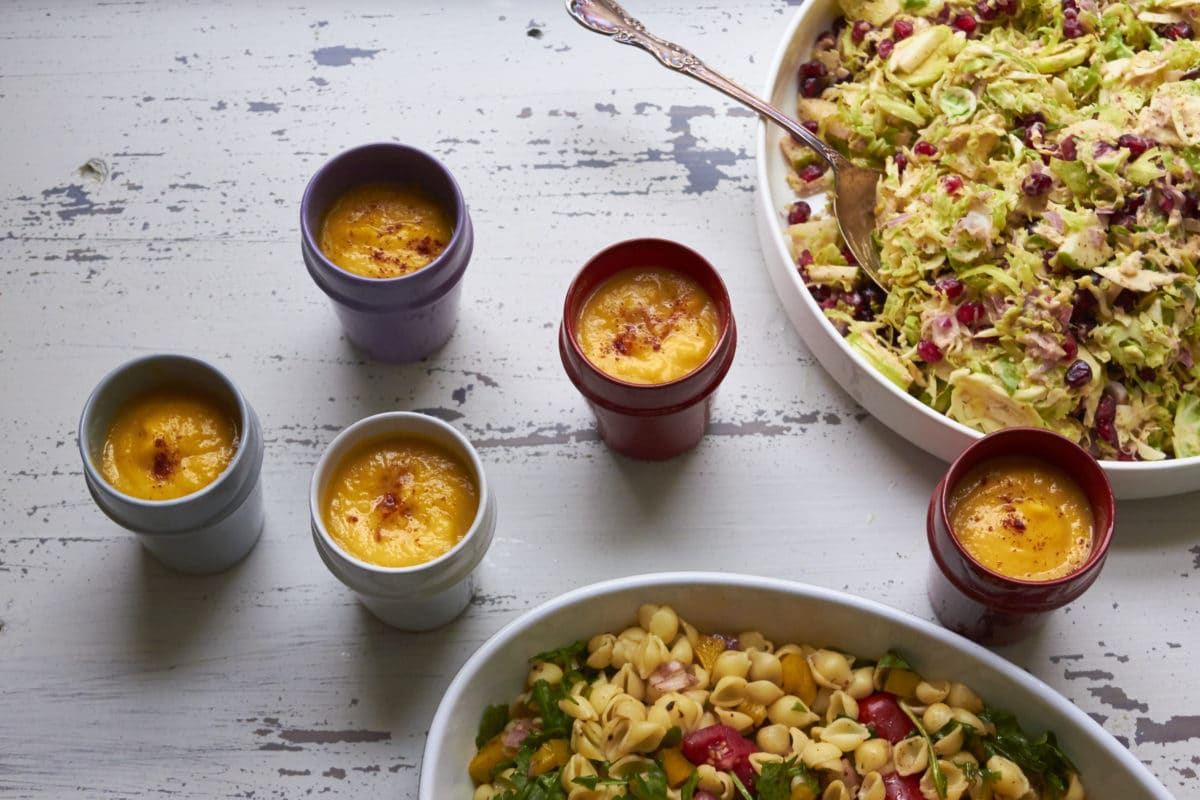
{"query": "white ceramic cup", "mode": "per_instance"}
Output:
(424, 596)
(210, 529)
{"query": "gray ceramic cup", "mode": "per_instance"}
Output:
(210, 529)
(402, 319)
(428, 595)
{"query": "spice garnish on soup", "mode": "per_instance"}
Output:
(1023, 518)
(167, 443)
(648, 325)
(385, 230)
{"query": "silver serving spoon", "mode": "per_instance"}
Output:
(853, 187)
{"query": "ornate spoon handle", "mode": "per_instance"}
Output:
(608, 18)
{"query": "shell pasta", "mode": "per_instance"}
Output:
(664, 711)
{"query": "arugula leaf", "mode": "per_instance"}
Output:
(935, 769)
(688, 790)
(1040, 759)
(566, 657)
(491, 723)
(672, 738)
(893, 660)
(650, 784)
(741, 787)
(542, 787)
(555, 722)
(775, 781)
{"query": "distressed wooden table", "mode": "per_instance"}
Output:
(154, 157)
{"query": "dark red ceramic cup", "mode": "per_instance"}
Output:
(659, 420)
(982, 604)
(402, 319)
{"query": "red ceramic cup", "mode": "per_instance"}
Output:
(649, 421)
(982, 604)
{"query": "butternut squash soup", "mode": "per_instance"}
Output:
(385, 230)
(648, 325)
(1022, 518)
(400, 501)
(167, 443)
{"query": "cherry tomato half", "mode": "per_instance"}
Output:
(883, 713)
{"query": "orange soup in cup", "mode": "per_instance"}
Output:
(400, 501)
(648, 325)
(1023, 518)
(168, 443)
(384, 230)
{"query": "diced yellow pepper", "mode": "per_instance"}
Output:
(755, 711)
(492, 753)
(798, 678)
(707, 649)
(802, 791)
(551, 755)
(676, 765)
(901, 682)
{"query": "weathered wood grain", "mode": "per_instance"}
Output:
(154, 157)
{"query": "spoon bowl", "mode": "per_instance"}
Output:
(853, 186)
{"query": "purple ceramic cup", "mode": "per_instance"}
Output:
(987, 606)
(401, 319)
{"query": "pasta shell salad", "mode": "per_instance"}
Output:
(663, 711)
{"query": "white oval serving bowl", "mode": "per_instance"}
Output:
(784, 611)
(933, 432)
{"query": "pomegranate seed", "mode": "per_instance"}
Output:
(810, 172)
(1070, 348)
(1072, 29)
(951, 287)
(806, 258)
(1166, 204)
(1008, 7)
(812, 125)
(1146, 374)
(952, 184)
(986, 10)
(1126, 301)
(1079, 374)
(1035, 132)
(813, 69)
(848, 254)
(1136, 145)
(901, 163)
(1028, 119)
(812, 87)
(929, 352)
(901, 29)
(943, 15)
(1069, 5)
(1191, 204)
(1037, 184)
(1176, 30)
(970, 313)
(860, 30)
(885, 47)
(1066, 149)
(800, 212)
(965, 23)
(1106, 417)
(1123, 456)
(924, 149)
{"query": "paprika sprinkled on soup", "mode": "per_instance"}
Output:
(400, 501)
(648, 325)
(385, 230)
(1023, 518)
(168, 443)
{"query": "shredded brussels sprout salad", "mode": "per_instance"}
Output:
(1037, 223)
(663, 711)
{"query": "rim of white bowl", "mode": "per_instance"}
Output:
(444, 721)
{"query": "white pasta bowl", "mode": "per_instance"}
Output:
(783, 611)
(933, 432)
